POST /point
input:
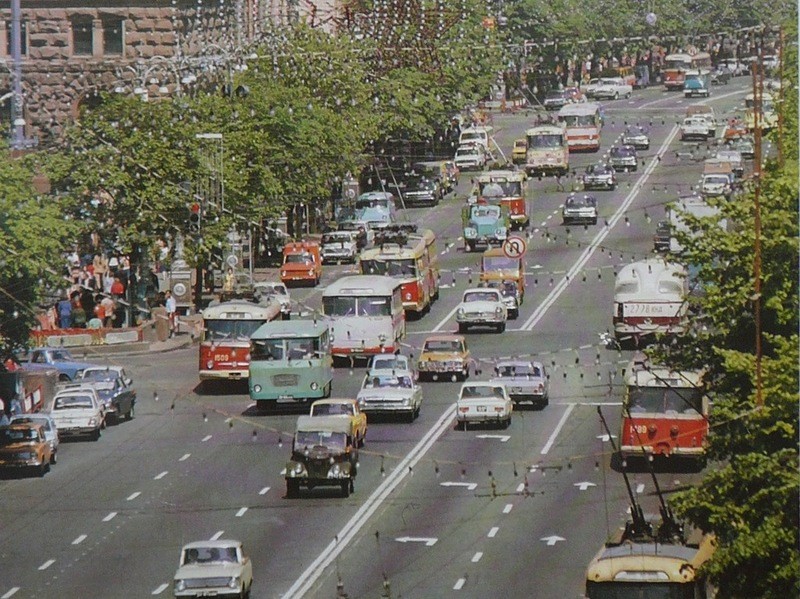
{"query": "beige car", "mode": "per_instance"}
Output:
(444, 357)
(24, 446)
(213, 569)
(346, 408)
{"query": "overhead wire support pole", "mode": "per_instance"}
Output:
(758, 89)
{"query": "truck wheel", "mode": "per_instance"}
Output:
(292, 488)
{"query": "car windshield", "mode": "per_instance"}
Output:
(716, 179)
(546, 140)
(219, 330)
(380, 362)
(387, 382)
(67, 402)
(17, 435)
(480, 296)
(481, 391)
(500, 263)
(597, 169)
(209, 555)
(501, 188)
(527, 370)
(555, 94)
(575, 201)
(664, 400)
(342, 237)
(331, 440)
(389, 268)
(486, 211)
(32, 419)
(466, 151)
(333, 409)
(298, 259)
(622, 151)
(635, 131)
(99, 376)
(444, 345)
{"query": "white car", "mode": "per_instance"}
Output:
(390, 392)
(471, 157)
(612, 88)
(213, 569)
(715, 185)
(734, 66)
(397, 362)
(484, 402)
(588, 88)
(525, 381)
(338, 247)
(579, 208)
(695, 127)
(49, 427)
(734, 157)
(482, 306)
(78, 411)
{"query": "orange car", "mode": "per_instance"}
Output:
(302, 263)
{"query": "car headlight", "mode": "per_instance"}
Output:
(180, 585)
(233, 583)
(257, 388)
(284, 273)
(408, 296)
(314, 386)
(461, 311)
(210, 364)
(310, 271)
(406, 401)
(362, 402)
(470, 232)
(92, 421)
(498, 310)
(298, 468)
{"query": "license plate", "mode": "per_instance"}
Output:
(285, 398)
(481, 408)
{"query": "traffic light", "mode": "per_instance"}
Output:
(195, 216)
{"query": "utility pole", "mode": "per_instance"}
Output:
(780, 98)
(17, 116)
(758, 90)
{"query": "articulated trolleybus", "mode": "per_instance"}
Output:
(411, 258)
(665, 413)
(548, 152)
(366, 313)
(583, 123)
(225, 344)
(290, 361)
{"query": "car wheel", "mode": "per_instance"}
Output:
(412, 416)
(628, 95)
(616, 95)
(292, 488)
(63, 378)
(594, 221)
(462, 327)
(54, 457)
(96, 434)
(129, 415)
(345, 489)
(501, 327)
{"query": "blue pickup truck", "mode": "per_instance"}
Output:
(485, 225)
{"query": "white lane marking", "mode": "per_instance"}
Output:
(640, 488)
(477, 557)
(217, 535)
(161, 475)
(351, 528)
(206, 438)
(133, 495)
(552, 539)
(509, 507)
(503, 438)
(459, 584)
(47, 564)
(558, 428)
(469, 486)
(79, 540)
(283, 471)
(241, 512)
(444, 321)
(184, 457)
(584, 485)
(520, 487)
(493, 532)
(160, 589)
(429, 541)
(590, 250)
(11, 592)
(264, 491)
(110, 517)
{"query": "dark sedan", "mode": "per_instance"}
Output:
(114, 388)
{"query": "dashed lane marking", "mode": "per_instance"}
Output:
(47, 564)
(459, 584)
(133, 496)
(79, 540)
(110, 517)
(493, 532)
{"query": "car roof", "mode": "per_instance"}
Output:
(24, 425)
(389, 372)
(334, 401)
(445, 337)
(218, 543)
(334, 424)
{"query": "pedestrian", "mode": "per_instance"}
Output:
(113, 264)
(109, 307)
(108, 281)
(100, 264)
(78, 313)
(117, 288)
(65, 313)
(99, 309)
(172, 309)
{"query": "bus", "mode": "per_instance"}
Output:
(506, 188)
(676, 65)
(290, 361)
(225, 340)
(768, 118)
(583, 123)
(367, 315)
(651, 567)
(649, 299)
(410, 257)
(664, 413)
(548, 151)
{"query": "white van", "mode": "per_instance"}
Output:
(649, 299)
(475, 135)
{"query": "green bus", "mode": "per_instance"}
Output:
(290, 360)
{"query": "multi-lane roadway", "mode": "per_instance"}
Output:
(437, 511)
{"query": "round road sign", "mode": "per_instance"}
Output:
(515, 247)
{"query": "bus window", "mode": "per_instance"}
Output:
(339, 306)
(301, 349)
(269, 349)
(373, 306)
(218, 330)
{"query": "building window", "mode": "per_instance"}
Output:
(23, 44)
(113, 36)
(82, 37)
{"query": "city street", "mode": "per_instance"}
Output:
(437, 511)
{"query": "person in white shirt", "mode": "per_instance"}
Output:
(172, 309)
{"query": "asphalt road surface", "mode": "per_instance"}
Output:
(437, 511)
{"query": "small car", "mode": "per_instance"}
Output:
(471, 157)
(346, 408)
(714, 185)
(422, 191)
(720, 76)
(78, 411)
(600, 176)
(695, 127)
(482, 307)
(735, 129)
(662, 236)
(324, 453)
(733, 66)
(48, 426)
(213, 569)
(734, 157)
(512, 297)
(555, 99)
(623, 158)
(364, 233)
(519, 154)
(525, 380)
(579, 208)
(264, 290)
(589, 88)
(612, 88)
(114, 388)
(483, 402)
(339, 247)
(745, 146)
(637, 137)
(390, 391)
(60, 359)
(24, 446)
(444, 356)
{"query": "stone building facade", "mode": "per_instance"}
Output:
(73, 49)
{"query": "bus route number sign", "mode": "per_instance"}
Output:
(515, 247)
